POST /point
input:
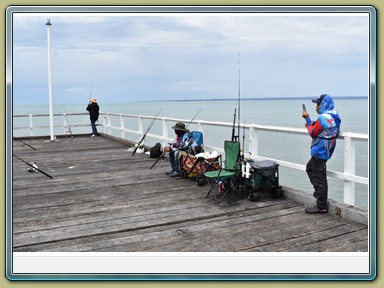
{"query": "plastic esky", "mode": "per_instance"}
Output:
(163, 56)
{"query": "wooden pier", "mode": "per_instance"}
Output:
(103, 199)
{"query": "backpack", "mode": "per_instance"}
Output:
(193, 142)
(155, 151)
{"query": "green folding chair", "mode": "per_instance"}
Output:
(226, 179)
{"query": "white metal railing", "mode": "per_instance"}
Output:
(348, 176)
(33, 128)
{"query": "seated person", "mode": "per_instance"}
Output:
(178, 145)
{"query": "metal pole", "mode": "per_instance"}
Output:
(50, 81)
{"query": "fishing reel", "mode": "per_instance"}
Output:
(139, 148)
(68, 132)
(32, 169)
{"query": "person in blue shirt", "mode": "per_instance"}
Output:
(324, 132)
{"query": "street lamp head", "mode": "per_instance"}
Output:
(49, 22)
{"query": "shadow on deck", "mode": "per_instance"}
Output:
(103, 199)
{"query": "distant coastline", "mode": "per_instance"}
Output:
(212, 100)
(261, 98)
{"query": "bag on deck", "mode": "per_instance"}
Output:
(155, 151)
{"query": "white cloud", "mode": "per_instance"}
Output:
(164, 57)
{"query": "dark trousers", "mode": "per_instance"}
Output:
(317, 173)
(93, 125)
(174, 159)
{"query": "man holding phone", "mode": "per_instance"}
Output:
(323, 132)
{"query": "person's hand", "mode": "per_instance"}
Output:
(167, 149)
(304, 114)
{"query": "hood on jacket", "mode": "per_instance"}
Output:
(328, 106)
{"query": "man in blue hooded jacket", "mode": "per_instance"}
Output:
(323, 132)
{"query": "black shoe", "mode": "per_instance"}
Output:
(174, 174)
(315, 210)
(169, 172)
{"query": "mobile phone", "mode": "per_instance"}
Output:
(304, 108)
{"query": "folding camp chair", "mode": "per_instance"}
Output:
(226, 179)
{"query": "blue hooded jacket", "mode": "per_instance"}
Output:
(324, 130)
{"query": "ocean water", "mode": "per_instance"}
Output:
(355, 115)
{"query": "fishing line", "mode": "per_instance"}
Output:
(244, 139)
(90, 92)
(238, 105)
(194, 117)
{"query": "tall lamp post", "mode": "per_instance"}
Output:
(48, 24)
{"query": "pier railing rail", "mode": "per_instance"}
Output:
(117, 127)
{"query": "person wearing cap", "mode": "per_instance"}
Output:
(178, 145)
(324, 132)
(93, 109)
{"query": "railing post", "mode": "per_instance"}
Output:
(109, 125)
(201, 127)
(165, 132)
(349, 168)
(253, 141)
(30, 125)
(65, 121)
(105, 123)
(122, 127)
(103, 120)
(141, 128)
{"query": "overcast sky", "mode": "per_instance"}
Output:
(188, 56)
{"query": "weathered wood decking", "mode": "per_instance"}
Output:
(103, 199)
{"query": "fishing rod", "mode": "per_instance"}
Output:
(162, 155)
(194, 117)
(23, 143)
(234, 137)
(238, 105)
(66, 118)
(146, 132)
(90, 92)
(243, 140)
(157, 160)
(34, 167)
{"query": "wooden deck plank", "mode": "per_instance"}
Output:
(103, 199)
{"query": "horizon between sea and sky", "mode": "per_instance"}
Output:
(124, 57)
